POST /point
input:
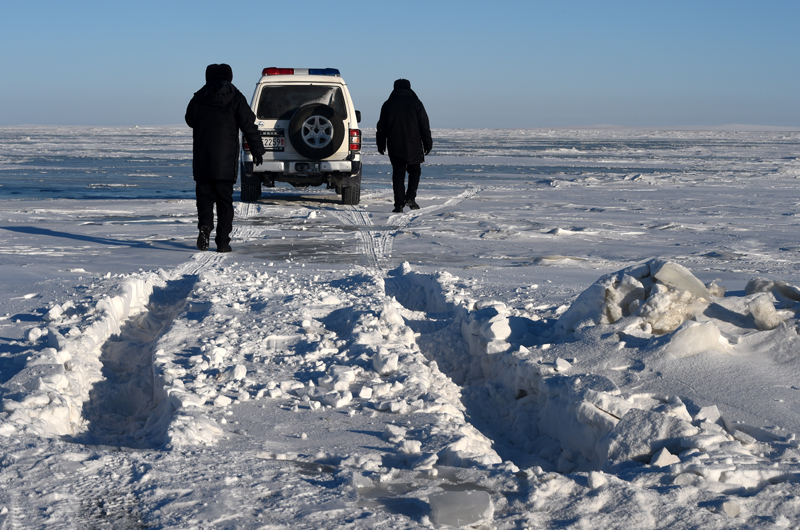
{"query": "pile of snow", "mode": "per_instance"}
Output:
(662, 296)
(217, 337)
(46, 396)
(199, 366)
(597, 426)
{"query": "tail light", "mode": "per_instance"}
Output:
(355, 140)
(245, 145)
(277, 71)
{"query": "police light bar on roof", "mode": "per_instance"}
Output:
(300, 71)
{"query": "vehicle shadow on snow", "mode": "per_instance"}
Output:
(278, 198)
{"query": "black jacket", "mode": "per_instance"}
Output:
(403, 126)
(216, 113)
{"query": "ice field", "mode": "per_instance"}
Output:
(578, 329)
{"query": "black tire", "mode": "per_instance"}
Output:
(251, 187)
(316, 131)
(351, 194)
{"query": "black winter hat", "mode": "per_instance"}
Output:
(402, 83)
(219, 72)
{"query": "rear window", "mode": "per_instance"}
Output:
(281, 102)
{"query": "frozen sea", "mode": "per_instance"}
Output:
(579, 329)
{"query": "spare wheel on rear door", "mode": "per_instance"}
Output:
(316, 131)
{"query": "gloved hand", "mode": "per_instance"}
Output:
(427, 152)
(381, 151)
(258, 159)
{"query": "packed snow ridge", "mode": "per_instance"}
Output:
(491, 386)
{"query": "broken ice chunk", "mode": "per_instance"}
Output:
(743, 437)
(693, 338)
(709, 414)
(410, 447)
(426, 461)
(381, 389)
(390, 315)
(34, 334)
(664, 458)
(336, 399)
(330, 300)
(54, 313)
(640, 434)
(731, 508)
(764, 313)
(715, 289)
(497, 346)
(393, 433)
(233, 373)
(625, 298)
(596, 479)
(679, 277)
(361, 482)
(496, 328)
(763, 285)
(461, 508)
(222, 401)
(384, 362)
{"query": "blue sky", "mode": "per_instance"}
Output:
(474, 64)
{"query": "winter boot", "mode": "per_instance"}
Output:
(202, 239)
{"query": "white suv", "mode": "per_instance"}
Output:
(310, 130)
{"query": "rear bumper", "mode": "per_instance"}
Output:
(305, 167)
(341, 173)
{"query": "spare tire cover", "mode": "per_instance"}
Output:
(316, 131)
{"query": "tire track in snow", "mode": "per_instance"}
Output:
(14, 516)
(402, 220)
(123, 408)
(246, 210)
(111, 391)
(376, 245)
(200, 261)
(368, 245)
(243, 234)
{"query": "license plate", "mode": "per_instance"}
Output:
(273, 140)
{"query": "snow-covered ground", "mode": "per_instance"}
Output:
(578, 329)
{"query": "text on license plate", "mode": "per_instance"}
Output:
(273, 142)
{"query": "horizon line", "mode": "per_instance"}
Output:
(731, 127)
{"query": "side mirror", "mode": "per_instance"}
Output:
(358, 116)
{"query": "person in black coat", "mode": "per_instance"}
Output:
(404, 128)
(216, 114)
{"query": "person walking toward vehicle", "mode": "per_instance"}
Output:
(404, 129)
(216, 114)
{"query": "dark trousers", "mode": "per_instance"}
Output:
(401, 195)
(209, 193)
